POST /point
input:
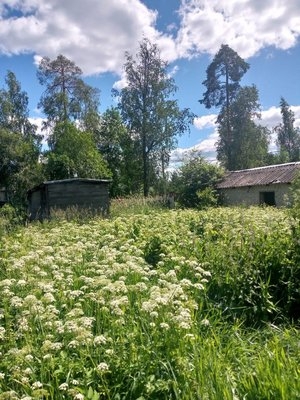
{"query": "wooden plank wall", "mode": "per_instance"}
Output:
(93, 195)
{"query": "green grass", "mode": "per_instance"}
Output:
(154, 305)
(134, 205)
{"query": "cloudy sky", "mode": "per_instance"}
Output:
(95, 34)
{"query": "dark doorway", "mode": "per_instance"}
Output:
(267, 198)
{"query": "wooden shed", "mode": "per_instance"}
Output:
(264, 185)
(89, 194)
(3, 196)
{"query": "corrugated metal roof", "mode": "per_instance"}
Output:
(271, 174)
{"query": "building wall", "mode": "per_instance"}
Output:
(84, 195)
(35, 205)
(78, 193)
(251, 195)
(3, 197)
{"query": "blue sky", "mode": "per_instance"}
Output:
(96, 33)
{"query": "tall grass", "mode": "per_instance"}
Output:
(133, 205)
(149, 306)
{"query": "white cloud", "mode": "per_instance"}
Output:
(206, 121)
(246, 25)
(93, 33)
(96, 33)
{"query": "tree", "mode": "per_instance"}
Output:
(67, 97)
(117, 146)
(148, 110)
(194, 182)
(19, 167)
(84, 106)
(249, 141)
(288, 137)
(14, 112)
(74, 154)
(20, 145)
(223, 83)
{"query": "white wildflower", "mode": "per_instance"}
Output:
(28, 371)
(63, 387)
(2, 333)
(184, 325)
(49, 298)
(205, 322)
(190, 336)
(154, 314)
(101, 339)
(79, 396)
(73, 344)
(36, 385)
(198, 286)
(102, 367)
(164, 325)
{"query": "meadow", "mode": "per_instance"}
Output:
(161, 304)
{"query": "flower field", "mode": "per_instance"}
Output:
(164, 305)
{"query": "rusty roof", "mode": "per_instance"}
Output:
(271, 174)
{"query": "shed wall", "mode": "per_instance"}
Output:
(90, 195)
(35, 205)
(251, 195)
(3, 197)
(81, 194)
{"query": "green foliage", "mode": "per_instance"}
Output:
(149, 111)
(153, 249)
(84, 315)
(223, 78)
(74, 154)
(134, 205)
(194, 183)
(66, 96)
(247, 146)
(119, 149)
(255, 264)
(14, 110)
(20, 145)
(288, 137)
(223, 84)
(19, 167)
(10, 219)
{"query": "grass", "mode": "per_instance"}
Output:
(134, 205)
(161, 304)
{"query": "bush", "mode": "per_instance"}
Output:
(194, 183)
(10, 218)
(293, 199)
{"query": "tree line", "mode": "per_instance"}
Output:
(131, 143)
(243, 143)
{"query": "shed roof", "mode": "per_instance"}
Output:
(271, 174)
(63, 181)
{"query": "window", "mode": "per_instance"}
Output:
(267, 198)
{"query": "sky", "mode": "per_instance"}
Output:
(95, 34)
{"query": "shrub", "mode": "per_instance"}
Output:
(10, 218)
(194, 183)
(293, 199)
